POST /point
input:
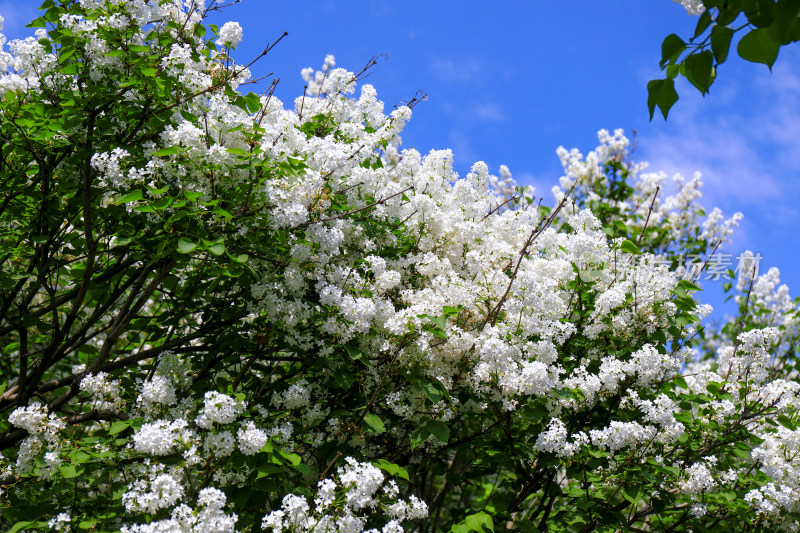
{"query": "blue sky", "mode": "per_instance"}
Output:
(510, 81)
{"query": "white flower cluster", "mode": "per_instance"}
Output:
(59, 522)
(698, 477)
(162, 436)
(105, 391)
(693, 7)
(157, 391)
(344, 503)
(27, 65)
(779, 457)
(44, 430)
(207, 517)
(251, 438)
(230, 34)
(554, 440)
(160, 493)
(219, 408)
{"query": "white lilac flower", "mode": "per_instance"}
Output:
(157, 391)
(251, 439)
(693, 7)
(230, 34)
(220, 408)
(161, 437)
(59, 522)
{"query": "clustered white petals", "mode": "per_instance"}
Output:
(219, 408)
(230, 34)
(344, 503)
(693, 7)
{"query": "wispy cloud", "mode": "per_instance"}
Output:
(464, 155)
(746, 146)
(488, 112)
(745, 140)
(448, 70)
(381, 8)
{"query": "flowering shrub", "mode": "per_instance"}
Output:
(222, 314)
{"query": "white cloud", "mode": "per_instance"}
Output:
(745, 144)
(745, 139)
(448, 70)
(488, 112)
(464, 155)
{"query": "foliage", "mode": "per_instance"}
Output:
(220, 314)
(763, 27)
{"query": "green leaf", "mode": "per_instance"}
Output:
(162, 203)
(661, 93)
(687, 285)
(253, 102)
(353, 351)
(759, 12)
(786, 26)
(292, 457)
(786, 422)
(234, 271)
(721, 42)
(565, 394)
(728, 12)
(217, 248)
(671, 47)
(439, 321)
(155, 191)
(702, 24)
(172, 150)
(439, 430)
(79, 456)
(186, 246)
(629, 248)
(419, 436)
(118, 427)
(434, 390)
(758, 47)
(450, 311)
(71, 69)
(680, 381)
(700, 69)
(68, 471)
(149, 72)
(38, 23)
(221, 212)
(19, 526)
(476, 522)
(375, 423)
(343, 378)
(267, 470)
(632, 494)
(392, 469)
(133, 196)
